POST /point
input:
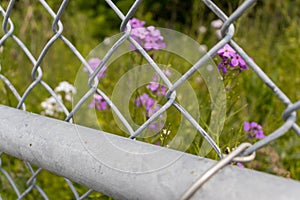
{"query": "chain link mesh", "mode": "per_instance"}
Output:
(8, 27)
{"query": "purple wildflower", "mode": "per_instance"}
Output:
(148, 37)
(223, 66)
(162, 91)
(155, 87)
(149, 103)
(167, 72)
(240, 62)
(151, 107)
(230, 58)
(139, 33)
(240, 165)
(135, 23)
(98, 102)
(254, 130)
(94, 63)
(227, 51)
(153, 44)
(145, 100)
(154, 32)
(154, 40)
(237, 60)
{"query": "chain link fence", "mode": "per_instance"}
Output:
(244, 152)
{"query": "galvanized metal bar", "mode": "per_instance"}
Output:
(128, 169)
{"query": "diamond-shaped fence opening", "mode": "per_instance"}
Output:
(28, 83)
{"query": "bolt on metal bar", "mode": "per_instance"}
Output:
(213, 170)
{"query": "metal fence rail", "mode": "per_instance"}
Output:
(64, 152)
(14, 127)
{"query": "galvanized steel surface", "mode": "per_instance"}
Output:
(63, 148)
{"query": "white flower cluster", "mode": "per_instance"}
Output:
(217, 24)
(51, 106)
(67, 88)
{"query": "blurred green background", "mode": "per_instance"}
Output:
(269, 32)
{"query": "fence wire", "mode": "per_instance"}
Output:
(227, 31)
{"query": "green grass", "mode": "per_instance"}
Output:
(269, 33)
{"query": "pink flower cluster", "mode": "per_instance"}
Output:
(254, 130)
(155, 87)
(149, 37)
(148, 102)
(230, 59)
(94, 63)
(98, 101)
